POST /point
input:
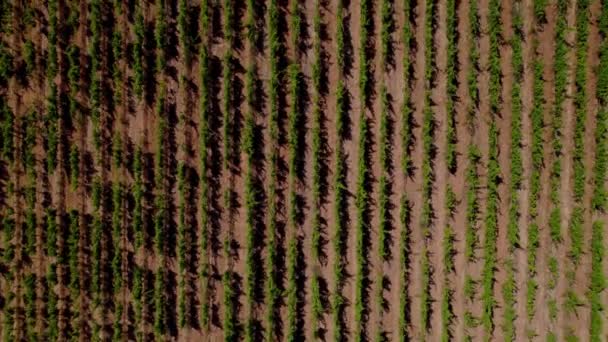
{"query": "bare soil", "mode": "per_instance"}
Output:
(136, 121)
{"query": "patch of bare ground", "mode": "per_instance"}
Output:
(414, 181)
(352, 22)
(464, 139)
(395, 84)
(482, 123)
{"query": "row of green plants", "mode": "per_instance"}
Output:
(161, 203)
(317, 303)
(230, 319)
(404, 208)
(185, 36)
(447, 314)
(452, 83)
(118, 43)
(509, 289)
(294, 121)
(537, 122)
(572, 299)
(183, 183)
(52, 115)
(139, 237)
(96, 246)
(598, 277)
(6, 156)
(580, 98)
(384, 214)
(203, 129)
(227, 81)
(449, 250)
(561, 79)
(597, 283)
(252, 259)
(139, 30)
(384, 139)
(428, 128)
(555, 216)
(96, 82)
(272, 290)
(361, 195)
(74, 274)
(28, 160)
(338, 301)
(490, 234)
(118, 196)
(493, 174)
(160, 36)
(183, 189)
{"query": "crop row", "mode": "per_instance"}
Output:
(404, 209)
(428, 127)
(509, 289)
(294, 122)
(362, 196)
(340, 186)
(447, 314)
(139, 238)
(203, 128)
(272, 291)
(385, 185)
(598, 278)
(316, 151)
(572, 300)
(95, 91)
(561, 75)
(493, 175)
(251, 274)
(536, 118)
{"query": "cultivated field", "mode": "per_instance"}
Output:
(289, 170)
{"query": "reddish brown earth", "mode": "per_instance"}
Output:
(136, 122)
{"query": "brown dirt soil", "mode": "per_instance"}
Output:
(137, 122)
(412, 186)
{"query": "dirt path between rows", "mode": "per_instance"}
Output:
(395, 84)
(439, 100)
